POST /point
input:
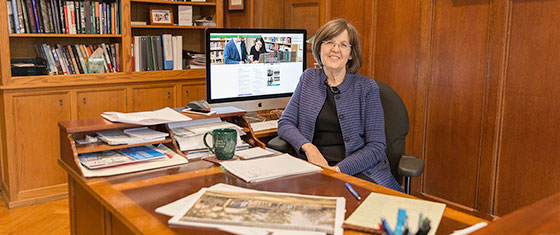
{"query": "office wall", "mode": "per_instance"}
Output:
(480, 81)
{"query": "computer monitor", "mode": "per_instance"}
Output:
(234, 75)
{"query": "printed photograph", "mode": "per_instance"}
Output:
(264, 210)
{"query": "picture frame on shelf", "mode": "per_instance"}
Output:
(161, 16)
(236, 5)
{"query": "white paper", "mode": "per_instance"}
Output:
(470, 229)
(178, 208)
(261, 169)
(253, 153)
(175, 160)
(145, 133)
(165, 115)
(227, 109)
(185, 15)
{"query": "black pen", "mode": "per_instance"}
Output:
(353, 192)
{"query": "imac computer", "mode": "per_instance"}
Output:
(253, 69)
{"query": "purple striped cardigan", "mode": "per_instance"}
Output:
(361, 120)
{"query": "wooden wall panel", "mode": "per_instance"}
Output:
(269, 14)
(303, 14)
(396, 41)
(455, 100)
(528, 161)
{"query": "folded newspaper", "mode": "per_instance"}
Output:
(165, 115)
(245, 211)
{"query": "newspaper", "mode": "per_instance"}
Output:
(247, 211)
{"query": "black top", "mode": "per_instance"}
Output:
(256, 54)
(328, 135)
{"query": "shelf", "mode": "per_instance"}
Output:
(50, 35)
(169, 27)
(104, 147)
(176, 3)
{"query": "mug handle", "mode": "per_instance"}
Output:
(204, 138)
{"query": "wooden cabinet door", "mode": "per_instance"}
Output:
(193, 92)
(303, 14)
(93, 103)
(36, 144)
(152, 98)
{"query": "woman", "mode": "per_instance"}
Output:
(335, 118)
(257, 49)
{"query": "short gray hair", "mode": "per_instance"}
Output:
(332, 29)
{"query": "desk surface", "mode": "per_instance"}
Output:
(133, 198)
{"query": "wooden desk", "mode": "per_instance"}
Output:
(125, 204)
(542, 217)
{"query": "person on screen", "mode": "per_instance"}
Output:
(235, 52)
(258, 49)
(335, 118)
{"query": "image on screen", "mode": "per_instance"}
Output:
(253, 64)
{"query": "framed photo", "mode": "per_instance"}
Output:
(236, 5)
(161, 16)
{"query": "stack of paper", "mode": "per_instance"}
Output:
(261, 169)
(251, 153)
(132, 136)
(165, 115)
(189, 135)
(245, 211)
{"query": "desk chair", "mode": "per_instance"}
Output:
(396, 129)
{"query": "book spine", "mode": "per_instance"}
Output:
(58, 57)
(55, 59)
(113, 18)
(61, 20)
(118, 58)
(75, 61)
(39, 15)
(54, 16)
(107, 58)
(14, 19)
(66, 17)
(97, 30)
(68, 59)
(80, 58)
(85, 56)
(45, 16)
(21, 16)
(32, 17)
(113, 56)
(63, 59)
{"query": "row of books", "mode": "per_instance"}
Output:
(157, 52)
(79, 58)
(64, 17)
(278, 39)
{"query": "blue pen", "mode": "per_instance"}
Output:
(354, 193)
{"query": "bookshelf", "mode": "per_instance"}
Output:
(32, 105)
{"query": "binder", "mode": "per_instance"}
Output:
(166, 40)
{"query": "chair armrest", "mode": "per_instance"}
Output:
(411, 166)
(280, 145)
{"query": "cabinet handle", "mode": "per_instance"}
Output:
(169, 95)
(84, 100)
(60, 101)
(187, 92)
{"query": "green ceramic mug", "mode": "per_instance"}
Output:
(224, 143)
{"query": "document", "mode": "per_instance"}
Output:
(261, 169)
(120, 137)
(245, 211)
(112, 158)
(145, 133)
(251, 153)
(378, 206)
(165, 115)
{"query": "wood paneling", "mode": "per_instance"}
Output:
(193, 92)
(455, 100)
(396, 41)
(269, 14)
(303, 14)
(528, 161)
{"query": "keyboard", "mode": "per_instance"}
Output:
(263, 126)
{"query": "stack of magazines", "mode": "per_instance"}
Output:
(110, 158)
(245, 211)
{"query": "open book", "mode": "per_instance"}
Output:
(267, 168)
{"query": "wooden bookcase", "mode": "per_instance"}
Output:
(31, 106)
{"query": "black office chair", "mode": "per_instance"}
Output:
(396, 129)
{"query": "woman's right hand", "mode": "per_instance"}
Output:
(314, 155)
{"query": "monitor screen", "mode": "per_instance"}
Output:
(253, 69)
